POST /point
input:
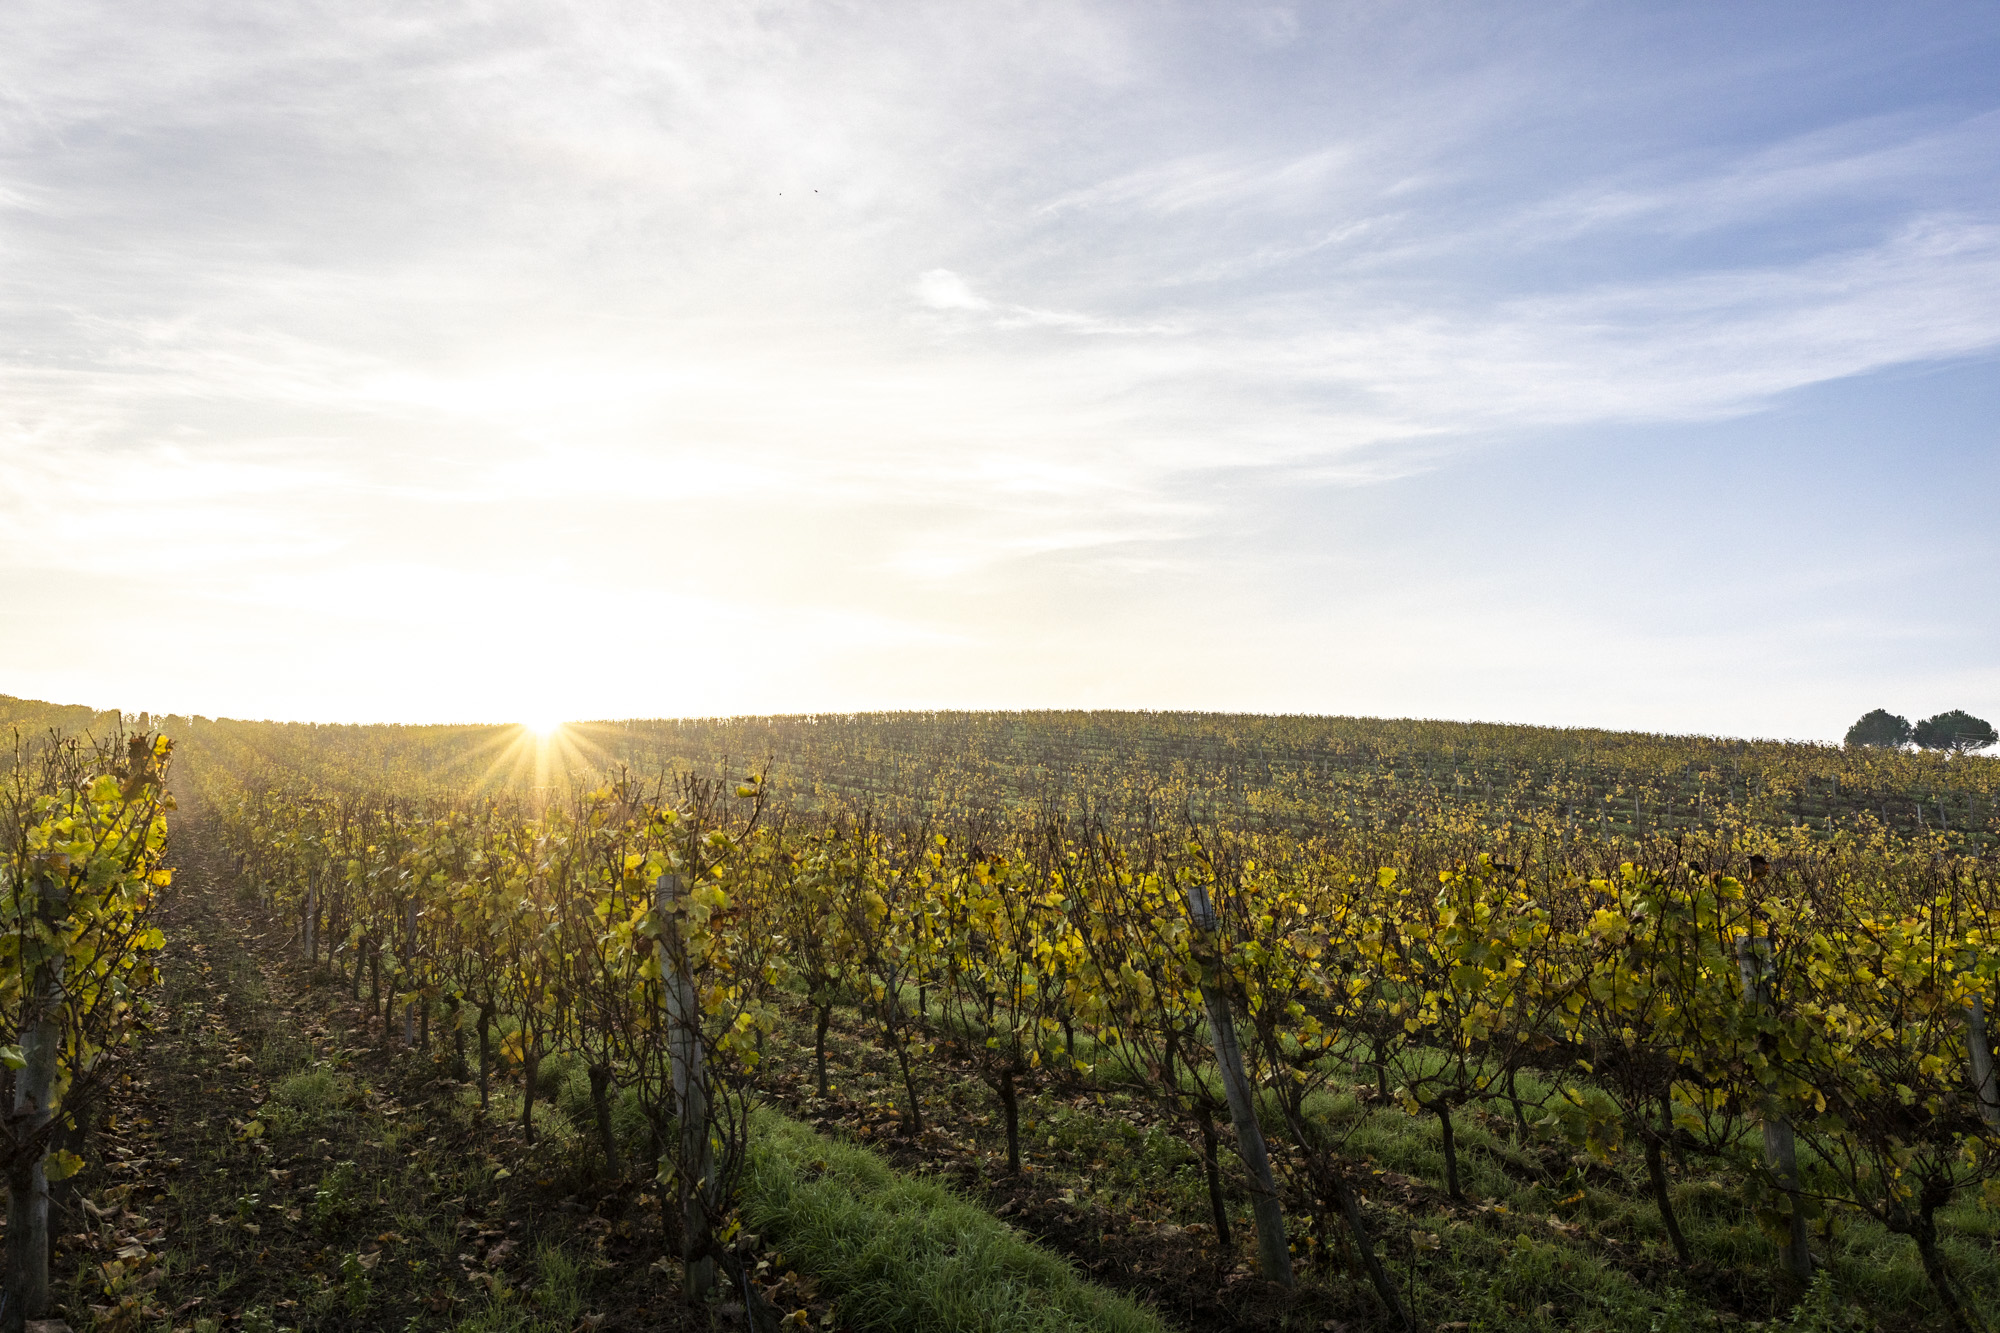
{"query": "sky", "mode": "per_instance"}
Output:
(1603, 364)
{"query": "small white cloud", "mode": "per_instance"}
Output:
(941, 289)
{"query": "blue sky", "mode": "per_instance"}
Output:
(1571, 363)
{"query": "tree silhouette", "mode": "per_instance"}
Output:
(1957, 731)
(1880, 727)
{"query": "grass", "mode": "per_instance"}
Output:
(907, 1254)
(554, 1305)
(306, 1100)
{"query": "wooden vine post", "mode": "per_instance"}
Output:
(1985, 1082)
(312, 919)
(26, 1292)
(1274, 1254)
(409, 970)
(1753, 961)
(695, 1163)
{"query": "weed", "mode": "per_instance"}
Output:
(1825, 1310)
(335, 1203)
(355, 1286)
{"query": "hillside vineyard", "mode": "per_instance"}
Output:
(1769, 963)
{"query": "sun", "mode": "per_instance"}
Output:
(540, 751)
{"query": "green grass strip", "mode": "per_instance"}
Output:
(902, 1254)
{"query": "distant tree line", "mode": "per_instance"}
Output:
(1957, 731)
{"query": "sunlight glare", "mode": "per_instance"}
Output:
(543, 727)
